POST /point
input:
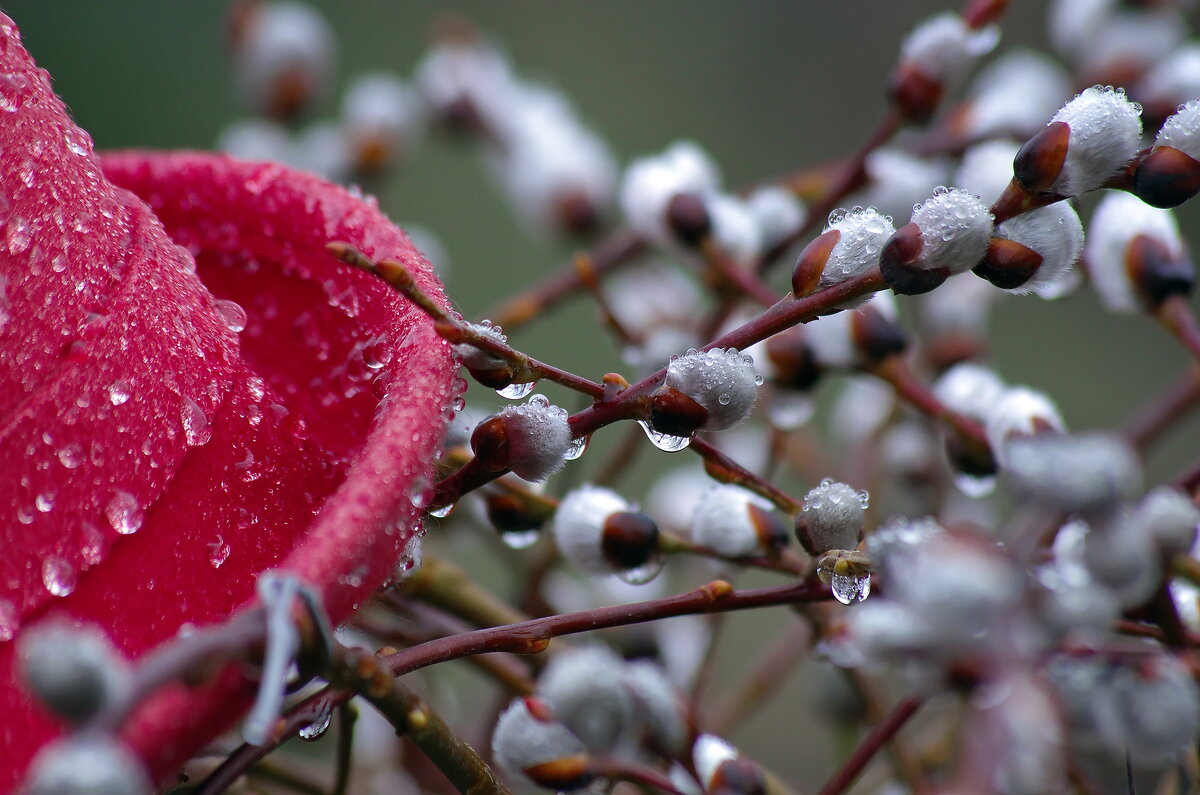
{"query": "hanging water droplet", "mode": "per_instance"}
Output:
(516, 391)
(9, 622)
(70, 455)
(520, 539)
(664, 441)
(420, 493)
(640, 575)
(411, 558)
(196, 430)
(91, 544)
(44, 502)
(576, 448)
(974, 487)
(319, 725)
(123, 513)
(788, 409)
(377, 353)
(19, 235)
(849, 588)
(232, 313)
(118, 392)
(58, 575)
(443, 512)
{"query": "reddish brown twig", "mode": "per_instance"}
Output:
(870, 745)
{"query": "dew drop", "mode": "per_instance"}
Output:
(196, 429)
(410, 559)
(44, 502)
(58, 575)
(576, 448)
(420, 493)
(19, 235)
(8, 620)
(516, 391)
(119, 392)
(973, 487)
(70, 455)
(123, 513)
(849, 588)
(520, 539)
(232, 313)
(377, 353)
(319, 725)
(640, 575)
(443, 512)
(664, 441)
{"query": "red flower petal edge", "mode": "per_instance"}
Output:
(162, 457)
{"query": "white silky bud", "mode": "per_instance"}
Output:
(892, 545)
(1020, 411)
(1091, 472)
(467, 70)
(1120, 555)
(724, 382)
(863, 406)
(659, 705)
(525, 739)
(1158, 708)
(1174, 80)
(862, 233)
(284, 57)
(1170, 517)
(1072, 23)
(1119, 218)
(728, 520)
(585, 688)
(475, 358)
(1182, 130)
(955, 228)
(896, 180)
(709, 752)
(778, 212)
(650, 183)
(380, 111)
(1014, 95)
(987, 168)
(538, 437)
(1105, 134)
(1100, 36)
(323, 149)
(735, 229)
(579, 526)
(256, 140)
(86, 764)
(831, 337)
(1055, 233)
(970, 389)
(832, 517)
(74, 670)
(943, 48)
(962, 304)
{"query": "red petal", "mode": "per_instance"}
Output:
(127, 400)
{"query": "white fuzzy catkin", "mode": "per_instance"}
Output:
(987, 168)
(724, 382)
(283, 40)
(579, 526)
(1056, 233)
(650, 183)
(521, 740)
(735, 228)
(538, 437)
(86, 764)
(724, 523)
(1117, 220)
(1174, 80)
(896, 180)
(1182, 130)
(585, 687)
(659, 705)
(475, 358)
(473, 71)
(1087, 472)
(831, 337)
(709, 752)
(833, 515)
(379, 107)
(943, 48)
(74, 670)
(1170, 517)
(955, 228)
(969, 388)
(1014, 95)
(1105, 134)
(863, 232)
(778, 213)
(1015, 414)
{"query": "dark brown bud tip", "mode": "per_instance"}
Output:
(980, 13)
(811, 263)
(875, 336)
(1008, 264)
(489, 441)
(569, 773)
(676, 414)
(738, 776)
(795, 363)
(510, 515)
(897, 259)
(688, 218)
(913, 93)
(1156, 272)
(629, 539)
(577, 214)
(1040, 161)
(1166, 177)
(493, 377)
(770, 529)
(970, 457)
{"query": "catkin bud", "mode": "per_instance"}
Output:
(986, 168)
(660, 707)
(832, 517)
(284, 57)
(722, 383)
(1170, 83)
(1091, 472)
(736, 523)
(486, 368)
(933, 59)
(599, 532)
(1170, 517)
(585, 689)
(531, 440)
(1034, 252)
(848, 247)
(650, 184)
(1088, 141)
(74, 670)
(896, 180)
(1020, 412)
(86, 764)
(1013, 95)
(854, 337)
(948, 234)
(1169, 174)
(466, 82)
(778, 214)
(1135, 255)
(381, 117)
(528, 741)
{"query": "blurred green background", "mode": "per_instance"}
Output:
(766, 87)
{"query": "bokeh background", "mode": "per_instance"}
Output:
(766, 87)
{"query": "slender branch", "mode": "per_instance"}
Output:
(870, 745)
(347, 715)
(447, 586)
(246, 756)
(1175, 313)
(1154, 419)
(724, 469)
(895, 371)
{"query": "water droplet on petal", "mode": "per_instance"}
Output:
(232, 313)
(8, 620)
(118, 392)
(70, 455)
(196, 429)
(44, 502)
(58, 575)
(516, 391)
(849, 588)
(123, 513)
(420, 493)
(664, 441)
(218, 551)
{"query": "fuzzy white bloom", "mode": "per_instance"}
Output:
(862, 233)
(86, 764)
(1105, 134)
(863, 406)
(943, 48)
(832, 516)
(650, 183)
(380, 109)
(1170, 517)
(1119, 218)
(709, 752)
(725, 521)
(74, 670)
(724, 382)
(896, 180)
(579, 526)
(831, 337)
(1072, 23)
(659, 705)
(1088, 472)
(735, 228)
(585, 687)
(1014, 95)
(969, 388)
(1019, 411)
(673, 498)
(1174, 80)
(549, 156)
(778, 213)
(473, 71)
(323, 149)
(257, 140)
(1056, 234)
(962, 304)
(1099, 35)
(955, 228)
(987, 168)
(283, 43)
(538, 436)
(524, 740)
(1182, 131)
